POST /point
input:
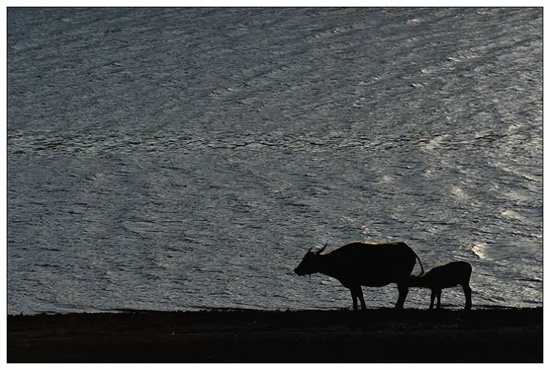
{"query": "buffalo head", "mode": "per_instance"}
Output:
(310, 262)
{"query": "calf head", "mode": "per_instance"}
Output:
(416, 281)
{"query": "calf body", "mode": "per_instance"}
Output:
(364, 264)
(445, 276)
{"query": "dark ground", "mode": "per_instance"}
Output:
(380, 335)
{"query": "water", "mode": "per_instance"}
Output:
(179, 159)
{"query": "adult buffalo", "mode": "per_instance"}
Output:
(364, 264)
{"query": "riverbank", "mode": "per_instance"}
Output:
(381, 335)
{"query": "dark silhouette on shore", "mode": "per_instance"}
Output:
(445, 276)
(364, 264)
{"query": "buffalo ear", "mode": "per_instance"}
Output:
(322, 249)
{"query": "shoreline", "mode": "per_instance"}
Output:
(500, 335)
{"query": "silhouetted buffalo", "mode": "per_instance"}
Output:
(364, 264)
(445, 276)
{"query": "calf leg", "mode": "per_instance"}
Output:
(468, 295)
(403, 291)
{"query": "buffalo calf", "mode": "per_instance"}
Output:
(445, 276)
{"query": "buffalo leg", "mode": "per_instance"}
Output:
(403, 291)
(357, 292)
(438, 292)
(432, 299)
(361, 298)
(354, 297)
(468, 295)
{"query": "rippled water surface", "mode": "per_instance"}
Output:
(187, 158)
